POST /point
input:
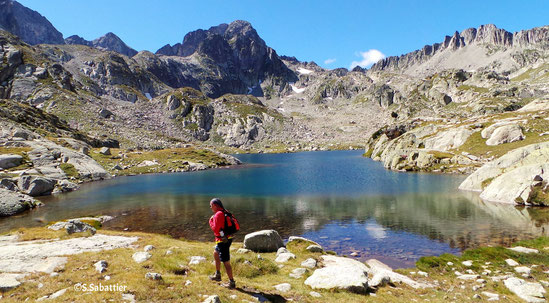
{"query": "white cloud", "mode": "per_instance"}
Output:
(330, 61)
(368, 58)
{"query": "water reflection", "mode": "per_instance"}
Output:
(346, 203)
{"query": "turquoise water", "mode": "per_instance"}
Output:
(340, 199)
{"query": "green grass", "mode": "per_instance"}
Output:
(69, 170)
(539, 196)
(473, 88)
(441, 155)
(168, 159)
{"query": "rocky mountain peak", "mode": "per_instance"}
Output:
(235, 50)
(485, 36)
(109, 41)
(27, 24)
(112, 42)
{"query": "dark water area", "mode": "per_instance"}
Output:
(340, 199)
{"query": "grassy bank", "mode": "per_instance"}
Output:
(257, 276)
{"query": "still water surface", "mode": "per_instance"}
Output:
(345, 202)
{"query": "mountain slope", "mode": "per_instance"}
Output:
(29, 25)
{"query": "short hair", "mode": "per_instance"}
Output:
(217, 202)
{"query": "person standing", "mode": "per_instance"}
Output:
(222, 240)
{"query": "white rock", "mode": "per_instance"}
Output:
(212, 299)
(58, 294)
(524, 250)
(169, 252)
(282, 250)
(243, 251)
(511, 262)
(8, 281)
(148, 248)
(309, 263)
(491, 296)
(141, 256)
(197, 260)
(153, 276)
(505, 134)
(422, 273)
(528, 291)
(284, 287)
(523, 270)
(379, 274)
(284, 257)
(128, 297)
(340, 273)
(467, 263)
(298, 273)
(450, 264)
(468, 277)
(188, 282)
(315, 294)
(101, 266)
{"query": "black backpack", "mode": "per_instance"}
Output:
(231, 224)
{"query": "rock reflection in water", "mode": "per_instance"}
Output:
(397, 229)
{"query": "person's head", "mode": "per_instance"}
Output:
(216, 205)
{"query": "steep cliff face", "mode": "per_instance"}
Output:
(27, 24)
(473, 48)
(109, 42)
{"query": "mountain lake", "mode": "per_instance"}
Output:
(347, 203)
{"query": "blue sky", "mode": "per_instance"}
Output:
(331, 33)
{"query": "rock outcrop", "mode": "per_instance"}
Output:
(518, 177)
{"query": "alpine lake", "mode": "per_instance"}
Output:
(347, 203)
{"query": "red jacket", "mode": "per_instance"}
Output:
(217, 222)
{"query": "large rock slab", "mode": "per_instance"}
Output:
(379, 274)
(9, 161)
(263, 241)
(46, 256)
(515, 186)
(340, 273)
(12, 203)
(449, 139)
(528, 291)
(510, 178)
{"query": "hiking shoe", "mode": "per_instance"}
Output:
(215, 277)
(232, 284)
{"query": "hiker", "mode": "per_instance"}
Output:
(223, 240)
